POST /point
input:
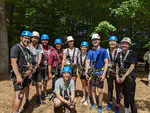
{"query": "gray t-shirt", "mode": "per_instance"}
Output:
(71, 51)
(35, 52)
(63, 88)
(16, 52)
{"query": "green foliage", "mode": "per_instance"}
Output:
(105, 27)
(147, 45)
(126, 9)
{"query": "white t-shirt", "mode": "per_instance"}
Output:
(83, 58)
(71, 51)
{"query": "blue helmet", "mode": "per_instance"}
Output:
(84, 43)
(58, 41)
(44, 37)
(113, 38)
(66, 69)
(26, 33)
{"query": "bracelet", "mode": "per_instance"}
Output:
(19, 76)
(65, 101)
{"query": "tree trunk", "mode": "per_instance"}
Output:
(4, 51)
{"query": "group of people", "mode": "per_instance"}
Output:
(38, 63)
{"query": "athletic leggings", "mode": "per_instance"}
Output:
(129, 93)
(110, 81)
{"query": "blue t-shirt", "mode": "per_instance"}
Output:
(102, 56)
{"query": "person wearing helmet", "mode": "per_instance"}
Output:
(146, 58)
(81, 62)
(113, 52)
(44, 62)
(65, 89)
(37, 52)
(54, 61)
(97, 60)
(125, 74)
(70, 57)
(21, 62)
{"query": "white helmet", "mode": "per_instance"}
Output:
(126, 39)
(35, 33)
(70, 38)
(95, 36)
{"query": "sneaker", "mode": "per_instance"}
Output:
(117, 109)
(109, 106)
(26, 105)
(99, 109)
(93, 106)
(86, 102)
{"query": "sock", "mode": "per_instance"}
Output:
(149, 77)
(126, 110)
(27, 100)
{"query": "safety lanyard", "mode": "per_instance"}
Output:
(112, 58)
(48, 52)
(58, 56)
(26, 55)
(122, 61)
(71, 60)
(82, 62)
(94, 63)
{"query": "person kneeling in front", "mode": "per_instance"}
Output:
(65, 90)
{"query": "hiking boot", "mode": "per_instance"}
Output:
(109, 106)
(26, 105)
(99, 109)
(117, 109)
(93, 106)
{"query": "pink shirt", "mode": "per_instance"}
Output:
(46, 54)
(52, 60)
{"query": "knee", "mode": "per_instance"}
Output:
(100, 91)
(57, 103)
(93, 90)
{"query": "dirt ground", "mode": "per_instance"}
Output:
(142, 97)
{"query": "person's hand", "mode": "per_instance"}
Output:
(87, 76)
(122, 79)
(33, 70)
(102, 78)
(50, 76)
(19, 80)
(68, 103)
(28, 73)
(118, 80)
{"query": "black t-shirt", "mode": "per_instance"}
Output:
(16, 52)
(131, 59)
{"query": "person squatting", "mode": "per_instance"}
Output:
(36, 64)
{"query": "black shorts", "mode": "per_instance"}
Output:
(82, 77)
(97, 83)
(37, 76)
(74, 72)
(43, 73)
(18, 87)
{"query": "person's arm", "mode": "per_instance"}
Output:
(87, 65)
(131, 68)
(105, 69)
(60, 97)
(63, 61)
(15, 67)
(117, 72)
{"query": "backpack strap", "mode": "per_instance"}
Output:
(71, 60)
